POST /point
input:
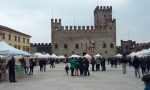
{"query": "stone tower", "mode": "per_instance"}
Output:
(100, 38)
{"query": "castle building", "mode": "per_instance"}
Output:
(40, 48)
(100, 38)
(15, 38)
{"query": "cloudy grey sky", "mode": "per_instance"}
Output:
(33, 16)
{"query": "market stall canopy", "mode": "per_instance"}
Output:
(54, 56)
(118, 55)
(61, 57)
(9, 50)
(1, 56)
(98, 55)
(74, 55)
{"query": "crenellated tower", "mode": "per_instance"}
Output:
(100, 38)
(102, 15)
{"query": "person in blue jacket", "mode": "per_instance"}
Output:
(146, 80)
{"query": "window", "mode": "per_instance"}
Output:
(104, 45)
(18, 46)
(3, 35)
(23, 40)
(15, 38)
(18, 39)
(65, 46)
(15, 46)
(55, 46)
(77, 46)
(9, 37)
(28, 41)
(24, 48)
(110, 28)
(104, 16)
(111, 45)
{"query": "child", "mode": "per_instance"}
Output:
(146, 80)
(67, 68)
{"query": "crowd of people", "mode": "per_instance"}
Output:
(80, 66)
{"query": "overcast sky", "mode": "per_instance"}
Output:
(33, 16)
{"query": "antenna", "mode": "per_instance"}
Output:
(91, 20)
(97, 2)
(74, 20)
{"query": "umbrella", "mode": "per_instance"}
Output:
(87, 56)
(74, 55)
(98, 55)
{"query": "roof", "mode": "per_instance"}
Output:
(9, 29)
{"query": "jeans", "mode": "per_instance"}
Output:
(137, 71)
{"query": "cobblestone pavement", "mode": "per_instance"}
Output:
(56, 79)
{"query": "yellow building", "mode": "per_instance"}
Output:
(15, 38)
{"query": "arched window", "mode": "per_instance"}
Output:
(104, 45)
(65, 46)
(77, 46)
(111, 45)
(55, 46)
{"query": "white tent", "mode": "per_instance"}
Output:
(74, 55)
(98, 55)
(118, 55)
(47, 55)
(9, 50)
(61, 57)
(54, 56)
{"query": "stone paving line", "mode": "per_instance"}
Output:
(56, 79)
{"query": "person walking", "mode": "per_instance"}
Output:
(136, 65)
(41, 64)
(103, 66)
(11, 67)
(31, 62)
(124, 63)
(67, 68)
(81, 65)
(143, 65)
(93, 62)
(72, 66)
(86, 66)
(146, 80)
(98, 63)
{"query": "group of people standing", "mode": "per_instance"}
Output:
(78, 66)
(98, 62)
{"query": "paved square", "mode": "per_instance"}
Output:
(56, 79)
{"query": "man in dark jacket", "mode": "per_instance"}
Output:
(136, 65)
(93, 62)
(11, 66)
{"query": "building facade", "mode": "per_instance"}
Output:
(15, 38)
(130, 46)
(100, 38)
(40, 47)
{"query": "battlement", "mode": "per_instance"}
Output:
(55, 20)
(103, 9)
(69, 28)
(40, 44)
